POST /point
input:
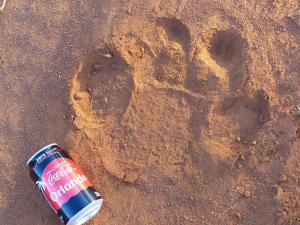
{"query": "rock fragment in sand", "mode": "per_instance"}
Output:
(238, 215)
(298, 110)
(247, 194)
(129, 8)
(131, 176)
(242, 158)
(2, 5)
(78, 123)
(108, 55)
(279, 193)
(283, 178)
(97, 66)
(77, 97)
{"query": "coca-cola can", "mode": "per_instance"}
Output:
(63, 184)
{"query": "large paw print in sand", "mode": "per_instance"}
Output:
(158, 98)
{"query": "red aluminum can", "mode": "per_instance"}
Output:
(63, 184)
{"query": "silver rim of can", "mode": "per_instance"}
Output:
(86, 213)
(42, 149)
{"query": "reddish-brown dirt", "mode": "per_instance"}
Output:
(180, 112)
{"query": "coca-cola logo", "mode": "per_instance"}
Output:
(61, 180)
(62, 172)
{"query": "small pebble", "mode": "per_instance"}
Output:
(238, 139)
(254, 142)
(105, 100)
(94, 73)
(238, 215)
(129, 9)
(278, 191)
(71, 118)
(261, 119)
(114, 32)
(283, 214)
(97, 66)
(107, 55)
(3, 5)
(267, 159)
(278, 213)
(131, 177)
(298, 110)
(182, 102)
(77, 97)
(247, 194)
(283, 178)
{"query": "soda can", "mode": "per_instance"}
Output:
(63, 184)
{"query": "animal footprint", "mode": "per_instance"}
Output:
(102, 89)
(228, 49)
(177, 32)
(110, 83)
(170, 64)
(218, 69)
(146, 98)
(248, 112)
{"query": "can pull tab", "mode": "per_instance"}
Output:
(42, 187)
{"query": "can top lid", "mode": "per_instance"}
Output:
(39, 151)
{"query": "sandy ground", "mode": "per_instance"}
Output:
(180, 112)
